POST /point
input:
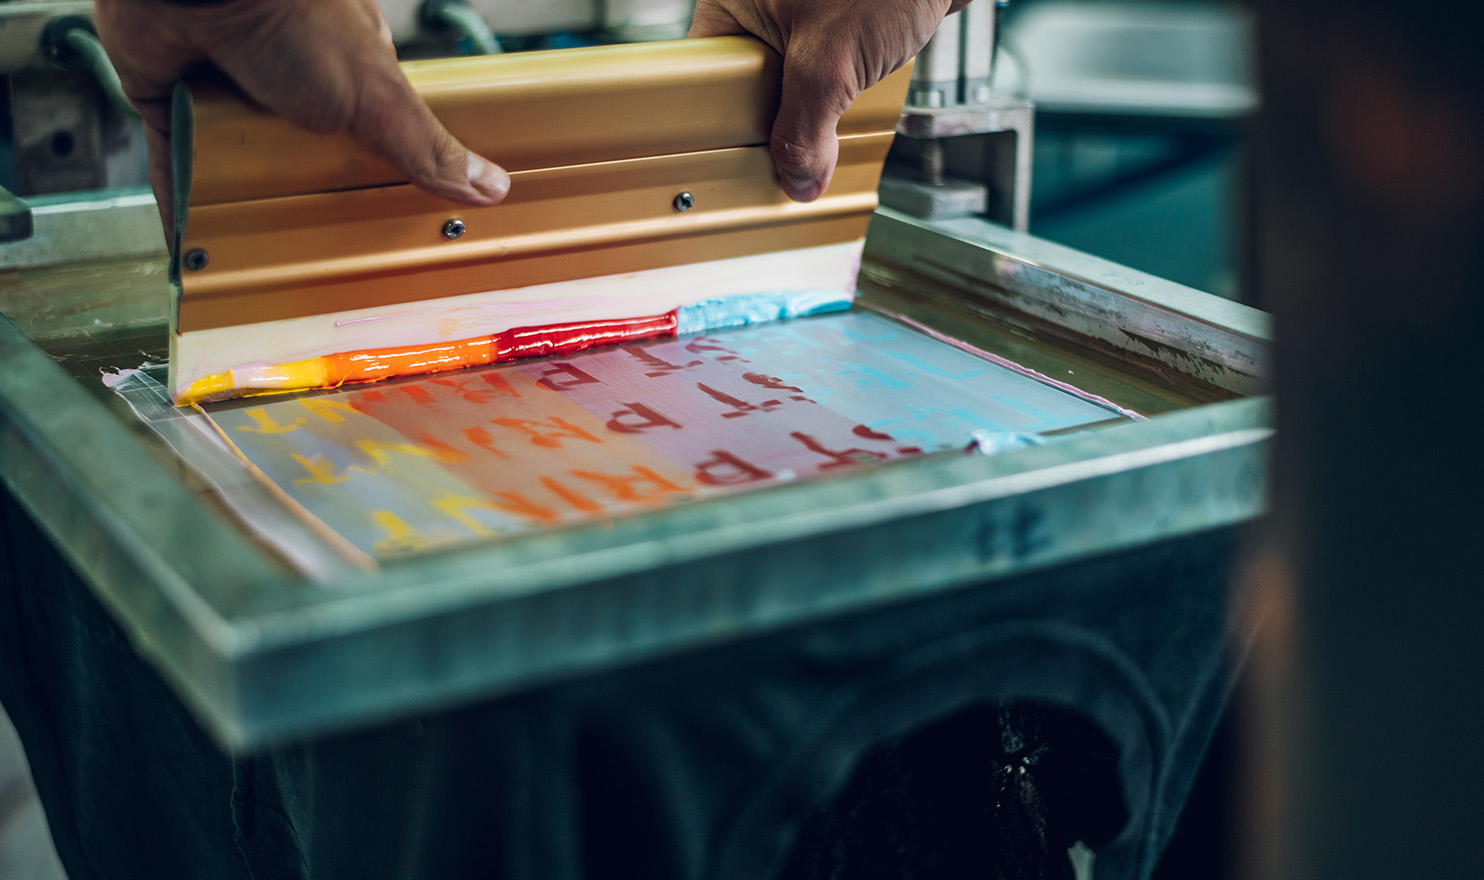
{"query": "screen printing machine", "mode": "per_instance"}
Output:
(682, 606)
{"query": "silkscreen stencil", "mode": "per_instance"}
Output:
(421, 464)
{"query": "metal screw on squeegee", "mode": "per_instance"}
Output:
(684, 202)
(196, 259)
(454, 229)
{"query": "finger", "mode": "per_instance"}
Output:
(392, 119)
(352, 83)
(805, 147)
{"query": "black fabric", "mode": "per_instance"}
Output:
(131, 785)
(998, 792)
(698, 766)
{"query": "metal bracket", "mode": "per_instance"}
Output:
(965, 151)
(15, 218)
(972, 158)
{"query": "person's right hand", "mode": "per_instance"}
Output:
(327, 65)
(832, 51)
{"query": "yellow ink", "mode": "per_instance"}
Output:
(382, 452)
(266, 424)
(399, 536)
(322, 471)
(329, 410)
(505, 504)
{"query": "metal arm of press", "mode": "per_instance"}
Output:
(458, 17)
(72, 42)
(957, 64)
(952, 98)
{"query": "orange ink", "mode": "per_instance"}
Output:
(576, 499)
(558, 429)
(626, 488)
(375, 364)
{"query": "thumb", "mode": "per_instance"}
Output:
(805, 147)
(329, 66)
(392, 119)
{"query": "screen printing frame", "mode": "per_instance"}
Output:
(262, 655)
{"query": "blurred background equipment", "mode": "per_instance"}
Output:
(64, 123)
(1142, 116)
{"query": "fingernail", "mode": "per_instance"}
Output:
(800, 188)
(487, 177)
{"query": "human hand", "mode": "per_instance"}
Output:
(327, 65)
(832, 51)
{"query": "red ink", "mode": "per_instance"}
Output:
(704, 344)
(770, 382)
(844, 458)
(574, 376)
(648, 420)
(726, 469)
(660, 366)
(866, 433)
(740, 408)
(559, 339)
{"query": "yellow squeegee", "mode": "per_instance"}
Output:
(643, 203)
